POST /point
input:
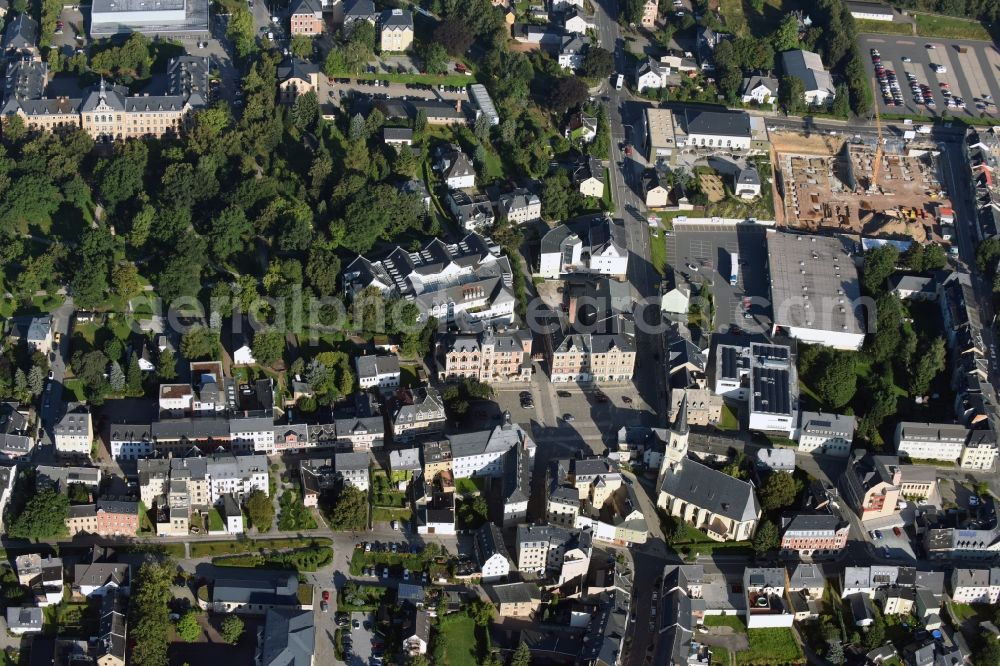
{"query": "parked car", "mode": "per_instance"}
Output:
(325, 607)
(897, 531)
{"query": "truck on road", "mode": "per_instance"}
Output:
(734, 268)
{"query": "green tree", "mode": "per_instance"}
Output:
(786, 35)
(598, 63)
(778, 491)
(120, 177)
(350, 511)
(116, 378)
(78, 493)
(482, 613)
(322, 270)
(835, 652)
(875, 633)
(200, 343)
(149, 623)
(301, 46)
(987, 253)
(737, 467)
(841, 102)
(166, 366)
(434, 57)
(454, 35)
(766, 538)
(305, 111)
(43, 516)
(556, 196)
(268, 346)
(838, 381)
(232, 629)
(260, 510)
(566, 93)
(929, 363)
(988, 653)
(241, 31)
(880, 263)
(125, 280)
(229, 232)
(36, 380)
(889, 325)
(133, 377)
(791, 95)
(521, 656)
(187, 627)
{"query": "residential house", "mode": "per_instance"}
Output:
(472, 211)
(550, 549)
(482, 453)
(81, 519)
(519, 206)
(764, 594)
(241, 341)
(572, 50)
(287, 638)
(232, 515)
(592, 244)
(15, 440)
(20, 39)
(650, 8)
(515, 600)
(456, 168)
(404, 465)
(975, 586)
(360, 434)
(417, 634)
(576, 22)
(581, 128)
(914, 287)
(806, 584)
(111, 632)
(808, 68)
(352, 469)
(23, 620)
(746, 183)
(117, 517)
(491, 553)
(826, 434)
(256, 597)
(316, 476)
(397, 137)
(872, 485)
(487, 356)
(759, 89)
(715, 130)
(100, 578)
(381, 372)
(306, 18)
(813, 535)
(651, 75)
(589, 178)
(395, 30)
(656, 189)
(358, 10)
(972, 448)
(296, 77)
(870, 11)
(417, 412)
(73, 434)
(61, 478)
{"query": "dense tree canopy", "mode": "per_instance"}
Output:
(43, 516)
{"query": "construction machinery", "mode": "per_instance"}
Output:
(877, 162)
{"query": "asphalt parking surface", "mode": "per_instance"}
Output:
(969, 75)
(361, 641)
(708, 248)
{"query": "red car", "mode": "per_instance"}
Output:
(897, 531)
(326, 595)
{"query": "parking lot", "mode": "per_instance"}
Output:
(360, 638)
(701, 254)
(965, 69)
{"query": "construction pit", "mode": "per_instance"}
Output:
(843, 192)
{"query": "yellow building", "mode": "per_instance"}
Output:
(107, 112)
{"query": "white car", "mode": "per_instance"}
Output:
(692, 267)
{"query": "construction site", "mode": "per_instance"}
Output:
(890, 190)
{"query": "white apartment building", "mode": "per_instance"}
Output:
(826, 434)
(491, 554)
(949, 442)
(975, 586)
(548, 548)
(236, 475)
(482, 453)
(352, 468)
(74, 433)
(380, 372)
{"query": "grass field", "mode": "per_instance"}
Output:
(720, 656)
(883, 27)
(658, 250)
(210, 548)
(770, 647)
(215, 523)
(735, 622)
(729, 421)
(732, 12)
(459, 635)
(935, 25)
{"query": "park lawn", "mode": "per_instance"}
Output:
(735, 622)
(962, 612)
(458, 632)
(210, 548)
(729, 421)
(48, 302)
(689, 534)
(381, 514)
(935, 25)
(769, 647)
(732, 12)
(883, 27)
(720, 656)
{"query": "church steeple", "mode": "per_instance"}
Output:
(681, 422)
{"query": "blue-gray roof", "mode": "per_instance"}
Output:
(288, 638)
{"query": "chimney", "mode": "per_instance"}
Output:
(572, 308)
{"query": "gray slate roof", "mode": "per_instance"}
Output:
(288, 638)
(713, 490)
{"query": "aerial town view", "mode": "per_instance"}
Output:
(500, 332)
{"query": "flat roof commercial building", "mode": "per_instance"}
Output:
(659, 133)
(150, 17)
(772, 383)
(815, 294)
(484, 103)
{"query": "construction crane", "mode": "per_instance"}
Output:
(877, 165)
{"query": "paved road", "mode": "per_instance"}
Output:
(52, 398)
